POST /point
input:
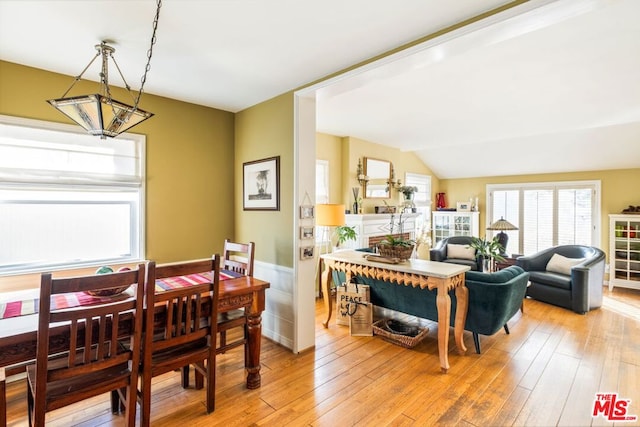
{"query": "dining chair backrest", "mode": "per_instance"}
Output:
(93, 358)
(183, 305)
(238, 257)
(180, 326)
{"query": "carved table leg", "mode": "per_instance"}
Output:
(462, 304)
(252, 357)
(254, 332)
(443, 303)
(327, 279)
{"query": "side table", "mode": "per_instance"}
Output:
(508, 261)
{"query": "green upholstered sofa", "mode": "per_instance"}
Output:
(494, 298)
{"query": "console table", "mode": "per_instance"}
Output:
(417, 273)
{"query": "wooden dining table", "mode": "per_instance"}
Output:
(18, 335)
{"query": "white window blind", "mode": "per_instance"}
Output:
(422, 199)
(547, 214)
(68, 199)
(322, 181)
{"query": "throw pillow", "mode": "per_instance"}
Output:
(562, 265)
(461, 252)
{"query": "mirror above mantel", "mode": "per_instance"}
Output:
(378, 173)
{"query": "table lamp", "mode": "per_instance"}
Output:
(329, 215)
(502, 225)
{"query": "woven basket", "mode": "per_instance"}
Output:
(399, 252)
(380, 328)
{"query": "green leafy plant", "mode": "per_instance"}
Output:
(344, 233)
(408, 190)
(389, 240)
(486, 248)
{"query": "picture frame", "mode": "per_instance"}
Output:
(307, 252)
(307, 212)
(261, 185)
(463, 207)
(307, 232)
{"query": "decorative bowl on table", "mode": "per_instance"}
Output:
(108, 292)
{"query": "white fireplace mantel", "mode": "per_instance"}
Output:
(379, 225)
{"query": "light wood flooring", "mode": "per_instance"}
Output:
(545, 373)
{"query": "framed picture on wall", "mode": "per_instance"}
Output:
(307, 232)
(261, 185)
(306, 252)
(307, 212)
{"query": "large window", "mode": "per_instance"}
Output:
(547, 214)
(422, 199)
(68, 199)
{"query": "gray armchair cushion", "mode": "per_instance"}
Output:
(439, 252)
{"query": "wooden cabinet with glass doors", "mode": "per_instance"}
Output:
(624, 251)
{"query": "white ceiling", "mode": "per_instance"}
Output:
(551, 89)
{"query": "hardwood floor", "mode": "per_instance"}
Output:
(546, 372)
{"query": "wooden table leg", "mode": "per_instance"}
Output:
(443, 304)
(462, 304)
(327, 280)
(252, 350)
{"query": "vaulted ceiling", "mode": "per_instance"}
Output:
(546, 86)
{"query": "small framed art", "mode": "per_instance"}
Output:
(307, 212)
(261, 185)
(463, 207)
(307, 233)
(306, 252)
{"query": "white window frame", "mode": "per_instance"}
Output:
(65, 187)
(594, 185)
(323, 238)
(423, 223)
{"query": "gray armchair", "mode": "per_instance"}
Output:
(440, 253)
(579, 288)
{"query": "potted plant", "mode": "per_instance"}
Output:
(396, 247)
(408, 191)
(488, 250)
(344, 233)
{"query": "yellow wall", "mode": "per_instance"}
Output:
(619, 189)
(402, 162)
(262, 131)
(190, 152)
(329, 147)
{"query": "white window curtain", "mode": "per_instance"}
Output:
(68, 199)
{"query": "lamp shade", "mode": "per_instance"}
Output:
(330, 215)
(502, 225)
(99, 115)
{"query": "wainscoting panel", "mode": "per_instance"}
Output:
(278, 316)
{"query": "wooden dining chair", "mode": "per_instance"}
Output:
(95, 359)
(187, 332)
(238, 258)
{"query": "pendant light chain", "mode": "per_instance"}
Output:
(99, 113)
(149, 54)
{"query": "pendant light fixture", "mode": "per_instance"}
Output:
(98, 113)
